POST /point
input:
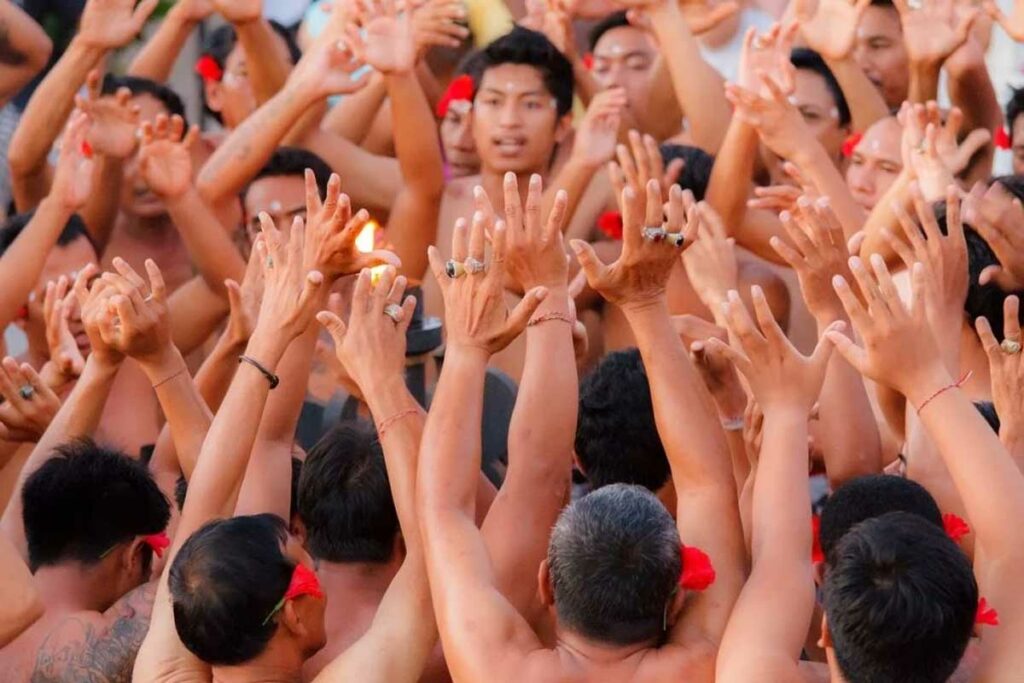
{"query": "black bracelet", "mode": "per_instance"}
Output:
(271, 377)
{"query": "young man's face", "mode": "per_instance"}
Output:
(875, 163)
(624, 57)
(457, 140)
(283, 197)
(515, 120)
(232, 97)
(880, 52)
(136, 197)
(66, 261)
(1017, 131)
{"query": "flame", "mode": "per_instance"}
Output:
(366, 241)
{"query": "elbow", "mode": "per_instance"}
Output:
(42, 50)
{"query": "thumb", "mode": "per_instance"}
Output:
(823, 351)
(333, 325)
(855, 243)
(234, 295)
(990, 274)
(589, 261)
(853, 354)
(520, 316)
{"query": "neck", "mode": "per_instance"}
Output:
(355, 580)
(280, 662)
(139, 225)
(73, 588)
(600, 653)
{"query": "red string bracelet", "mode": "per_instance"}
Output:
(386, 423)
(955, 385)
(547, 317)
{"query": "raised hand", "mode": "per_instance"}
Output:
(114, 119)
(779, 376)
(719, 374)
(920, 149)
(436, 22)
(239, 11)
(326, 68)
(29, 405)
(1007, 370)
(330, 242)
(767, 54)
(778, 122)
(244, 302)
(651, 245)
(94, 303)
(387, 40)
(999, 219)
(779, 198)
(65, 354)
(934, 30)
(138, 324)
(830, 26)
(72, 180)
(291, 291)
(476, 317)
(110, 24)
(534, 251)
(640, 162)
(817, 254)
(711, 261)
(194, 10)
(165, 155)
(1012, 24)
(372, 345)
(597, 134)
(702, 16)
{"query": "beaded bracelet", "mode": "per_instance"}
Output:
(547, 317)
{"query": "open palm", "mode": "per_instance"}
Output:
(830, 26)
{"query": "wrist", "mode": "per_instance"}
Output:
(86, 48)
(731, 403)
(464, 353)
(267, 347)
(62, 211)
(175, 201)
(663, 10)
(161, 364)
(647, 307)
(919, 386)
(386, 394)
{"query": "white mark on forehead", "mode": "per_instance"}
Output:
(275, 206)
(874, 145)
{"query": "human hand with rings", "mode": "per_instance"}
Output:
(651, 244)
(1006, 366)
(372, 345)
(94, 300)
(29, 405)
(476, 316)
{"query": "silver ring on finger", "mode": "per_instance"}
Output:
(148, 299)
(654, 233)
(453, 269)
(393, 311)
(474, 266)
(26, 391)
(1010, 347)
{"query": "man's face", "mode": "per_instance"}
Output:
(283, 197)
(515, 120)
(1018, 145)
(624, 57)
(875, 163)
(66, 261)
(457, 139)
(880, 52)
(136, 197)
(233, 97)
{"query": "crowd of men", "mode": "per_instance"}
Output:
(575, 340)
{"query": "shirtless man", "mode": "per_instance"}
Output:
(615, 619)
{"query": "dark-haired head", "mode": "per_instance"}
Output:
(900, 600)
(617, 441)
(870, 496)
(612, 21)
(1014, 108)
(613, 566)
(226, 581)
(696, 171)
(168, 100)
(529, 48)
(279, 188)
(345, 501)
(805, 59)
(123, 504)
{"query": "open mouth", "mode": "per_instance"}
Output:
(509, 145)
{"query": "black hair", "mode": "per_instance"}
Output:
(224, 582)
(697, 163)
(222, 40)
(809, 60)
(293, 161)
(74, 229)
(617, 441)
(523, 46)
(1014, 184)
(988, 411)
(181, 488)
(345, 497)
(900, 598)
(871, 496)
(144, 86)
(1014, 108)
(85, 500)
(615, 562)
(612, 21)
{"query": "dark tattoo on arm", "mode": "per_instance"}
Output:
(93, 649)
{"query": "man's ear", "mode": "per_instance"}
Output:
(291, 619)
(825, 641)
(675, 608)
(819, 574)
(214, 93)
(131, 558)
(544, 587)
(563, 128)
(298, 530)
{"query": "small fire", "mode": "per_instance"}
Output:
(366, 242)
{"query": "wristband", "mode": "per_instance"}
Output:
(383, 425)
(547, 317)
(165, 380)
(955, 385)
(271, 377)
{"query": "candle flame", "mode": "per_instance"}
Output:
(366, 241)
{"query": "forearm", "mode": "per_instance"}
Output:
(195, 311)
(104, 203)
(698, 87)
(157, 57)
(821, 171)
(267, 61)
(20, 599)
(212, 250)
(419, 155)
(970, 89)
(352, 117)
(732, 174)
(574, 178)
(864, 99)
(28, 42)
(371, 181)
(215, 374)
(924, 82)
(23, 261)
(883, 217)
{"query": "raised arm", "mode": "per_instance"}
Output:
(684, 412)
(932, 32)
(780, 590)
(476, 622)
(266, 60)
(20, 599)
(156, 59)
(26, 49)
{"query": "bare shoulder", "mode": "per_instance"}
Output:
(459, 189)
(693, 661)
(93, 647)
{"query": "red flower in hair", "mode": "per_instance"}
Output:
(817, 554)
(1002, 139)
(86, 149)
(698, 573)
(461, 88)
(588, 61)
(956, 528)
(986, 616)
(158, 542)
(208, 69)
(610, 223)
(850, 144)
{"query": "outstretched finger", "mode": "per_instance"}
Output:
(1011, 318)
(157, 286)
(592, 266)
(534, 198)
(766, 319)
(559, 214)
(853, 354)
(734, 356)
(334, 326)
(313, 203)
(851, 304)
(520, 316)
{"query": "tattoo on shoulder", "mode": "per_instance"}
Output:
(87, 650)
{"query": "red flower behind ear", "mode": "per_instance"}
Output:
(86, 149)
(588, 61)
(986, 616)
(461, 88)
(1002, 139)
(304, 582)
(610, 223)
(817, 554)
(956, 528)
(158, 542)
(208, 69)
(697, 573)
(850, 144)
